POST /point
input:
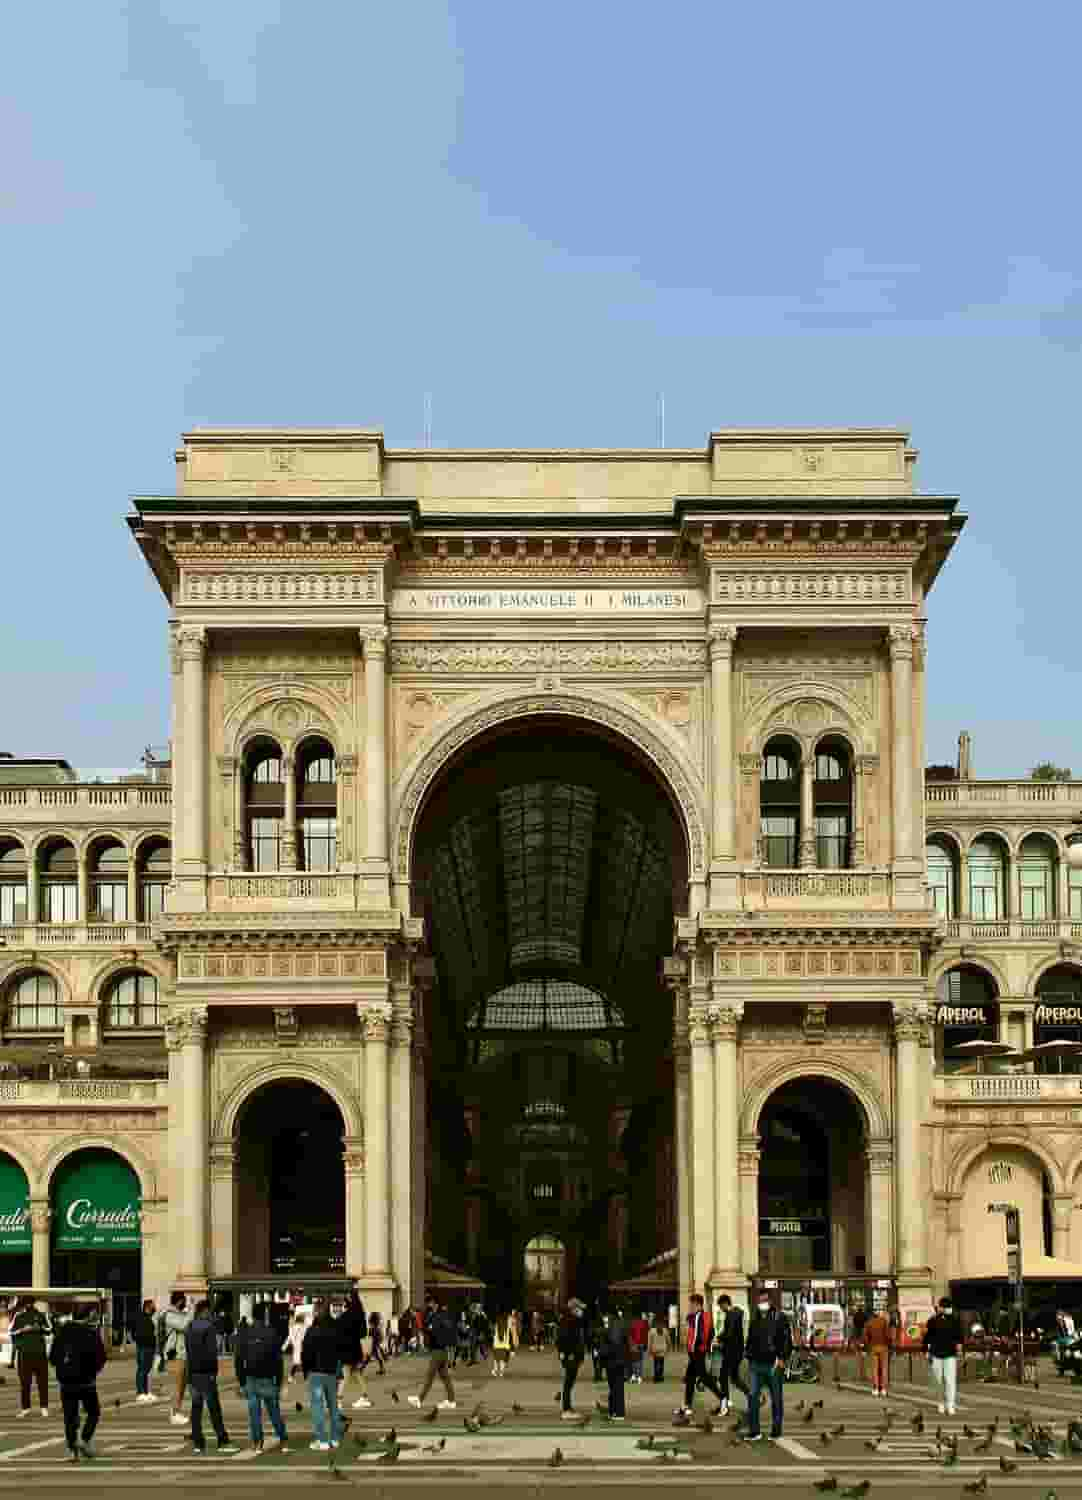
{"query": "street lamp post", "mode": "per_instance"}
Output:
(1013, 1225)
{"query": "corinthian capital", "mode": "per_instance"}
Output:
(901, 642)
(186, 1028)
(375, 1019)
(192, 640)
(700, 1026)
(726, 1023)
(722, 638)
(910, 1023)
(374, 640)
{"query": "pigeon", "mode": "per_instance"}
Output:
(829, 1483)
(478, 1409)
(557, 1458)
(809, 1416)
(982, 1447)
(395, 1397)
(681, 1419)
(950, 1459)
(666, 1458)
(968, 1430)
(518, 1410)
(390, 1438)
(435, 1447)
(430, 1416)
(646, 1442)
(856, 1491)
(487, 1421)
(873, 1445)
(470, 1425)
(116, 1403)
(825, 1439)
(299, 1406)
(978, 1486)
(1049, 1495)
(917, 1422)
(391, 1456)
(1006, 1466)
(838, 1431)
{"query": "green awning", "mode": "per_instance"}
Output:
(14, 1208)
(96, 1204)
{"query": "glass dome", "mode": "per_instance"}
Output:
(545, 1005)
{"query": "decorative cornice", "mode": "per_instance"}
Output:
(274, 928)
(530, 656)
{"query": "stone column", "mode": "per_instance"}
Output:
(41, 1218)
(723, 850)
(353, 1163)
(82, 879)
(910, 1025)
(240, 816)
(878, 1190)
(375, 1021)
(1062, 1210)
(726, 1134)
(403, 1146)
(954, 1237)
(1063, 895)
(858, 842)
(748, 1170)
(807, 813)
(963, 885)
(682, 1100)
(32, 891)
(223, 1207)
(191, 783)
(133, 887)
(1012, 877)
(375, 741)
(703, 1173)
(901, 688)
(186, 1036)
(289, 856)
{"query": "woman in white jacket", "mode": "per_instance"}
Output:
(294, 1339)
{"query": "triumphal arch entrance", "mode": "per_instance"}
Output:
(548, 909)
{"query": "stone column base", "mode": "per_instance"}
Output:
(379, 1292)
(915, 1285)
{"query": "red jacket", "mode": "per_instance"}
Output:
(639, 1332)
(700, 1332)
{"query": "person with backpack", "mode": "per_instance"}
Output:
(145, 1338)
(78, 1357)
(320, 1358)
(769, 1345)
(617, 1349)
(257, 1359)
(732, 1351)
(29, 1328)
(201, 1346)
(571, 1347)
(440, 1331)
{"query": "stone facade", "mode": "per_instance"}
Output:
(691, 606)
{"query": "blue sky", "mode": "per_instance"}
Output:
(314, 212)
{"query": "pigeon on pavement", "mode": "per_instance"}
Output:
(829, 1483)
(391, 1456)
(557, 1458)
(856, 1491)
(430, 1416)
(1006, 1466)
(978, 1486)
(395, 1397)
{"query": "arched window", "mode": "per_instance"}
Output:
(1074, 893)
(779, 799)
(58, 895)
(942, 878)
(967, 1011)
(317, 807)
(12, 883)
(34, 1004)
(1037, 879)
(832, 802)
(265, 790)
(1057, 1016)
(108, 882)
(987, 883)
(154, 871)
(131, 1001)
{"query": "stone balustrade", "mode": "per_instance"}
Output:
(78, 935)
(103, 1093)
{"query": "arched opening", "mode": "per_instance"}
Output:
(1057, 1017)
(317, 807)
(34, 1003)
(812, 1181)
(131, 1003)
(291, 1182)
(1037, 865)
(988, 879)
(265, 804)
(967, 1012)
(153, 872)
(942, 866)
(545, 1264)
(107, 872)
(832, 803)
(96, 1227)
(779, 804)
(549, 864)
(58, 882)
(13, 868)
(15, 1232)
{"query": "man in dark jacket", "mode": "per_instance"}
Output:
(78, 1356)
(144, 1334)
(28, 1330)
(201, 1342)
(440, 1333)
(257, 1357)
(731, 1339)
(700, 1338)
(943, 1344)
(617, 1347)
(571, 1347)
(321, 1353)
(769, 1345)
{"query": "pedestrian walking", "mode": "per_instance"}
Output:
(943, 1344)
(657, 1346)
(29, 1329)
(177, 1321)
(257, 1359)
(501, 1345)
(320, 1359)
(732, 1351)
(201, 1347)
(375, 1342)
(144, 1334)
(571, 1347)
(516, 1329)
(878, 1336)
(638, 1334)
(673, 1316)
(352, 1327)
(769, 1344)
(700, 1340)
(294, 1339)
(406, 1330)
(78, 1357)
(617, 1351)
(440, 1333)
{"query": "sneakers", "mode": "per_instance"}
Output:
(681, 1411)
(318, 1447)
(150, 1398)
(25, 1412)
(228, 1447)
(445, 1405)
(723, 1410)
(178, 1419)
(568, 1416)
(941, 1409)
(756, 1438)
(952, 1411)
(44, 1411)
(414, 1400)
(363, 1401)
(617, 1419)
(86, 1450)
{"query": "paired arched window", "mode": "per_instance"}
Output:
(265, 797)
(131, 1001)
(987, 880)
(779, 805)
(108, 881)
(58, 882)
(832, 795)
(153, 872)
(942, 878)
(13, 869)
(312, 797)
(782, 808)
(34, 1003)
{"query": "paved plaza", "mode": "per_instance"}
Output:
(137, 1446)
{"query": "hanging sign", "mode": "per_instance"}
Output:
(14, 1209)
(96, 1205)
(784, 1228)
(1058, 1015)
(962, 1015)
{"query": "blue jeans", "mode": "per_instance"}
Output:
(765, 1377)
(144, 1364)
(262, 1390)
(323, 1390)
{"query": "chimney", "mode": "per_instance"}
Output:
(965, 763)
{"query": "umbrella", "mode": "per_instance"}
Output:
(1059, 1049)
(982, 1048)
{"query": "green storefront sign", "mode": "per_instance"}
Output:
(96, 1205)
(14, 1209)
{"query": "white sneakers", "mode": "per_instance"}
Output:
(445, 1405)
(178, 1419)
(44, 1411)
(361, 1402)
(318, 1447)
(414, 1400)
(941, 1409)
(25, 1412)
(148, 1398)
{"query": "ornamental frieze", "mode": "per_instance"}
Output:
(366, 964)
(815, 963)
(811, 586)
(530, 656)
(286, 587)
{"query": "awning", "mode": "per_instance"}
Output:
(14, 1208)
(1034, 1268)
(96, 1204)
(440, 1275)
(658, 1275)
